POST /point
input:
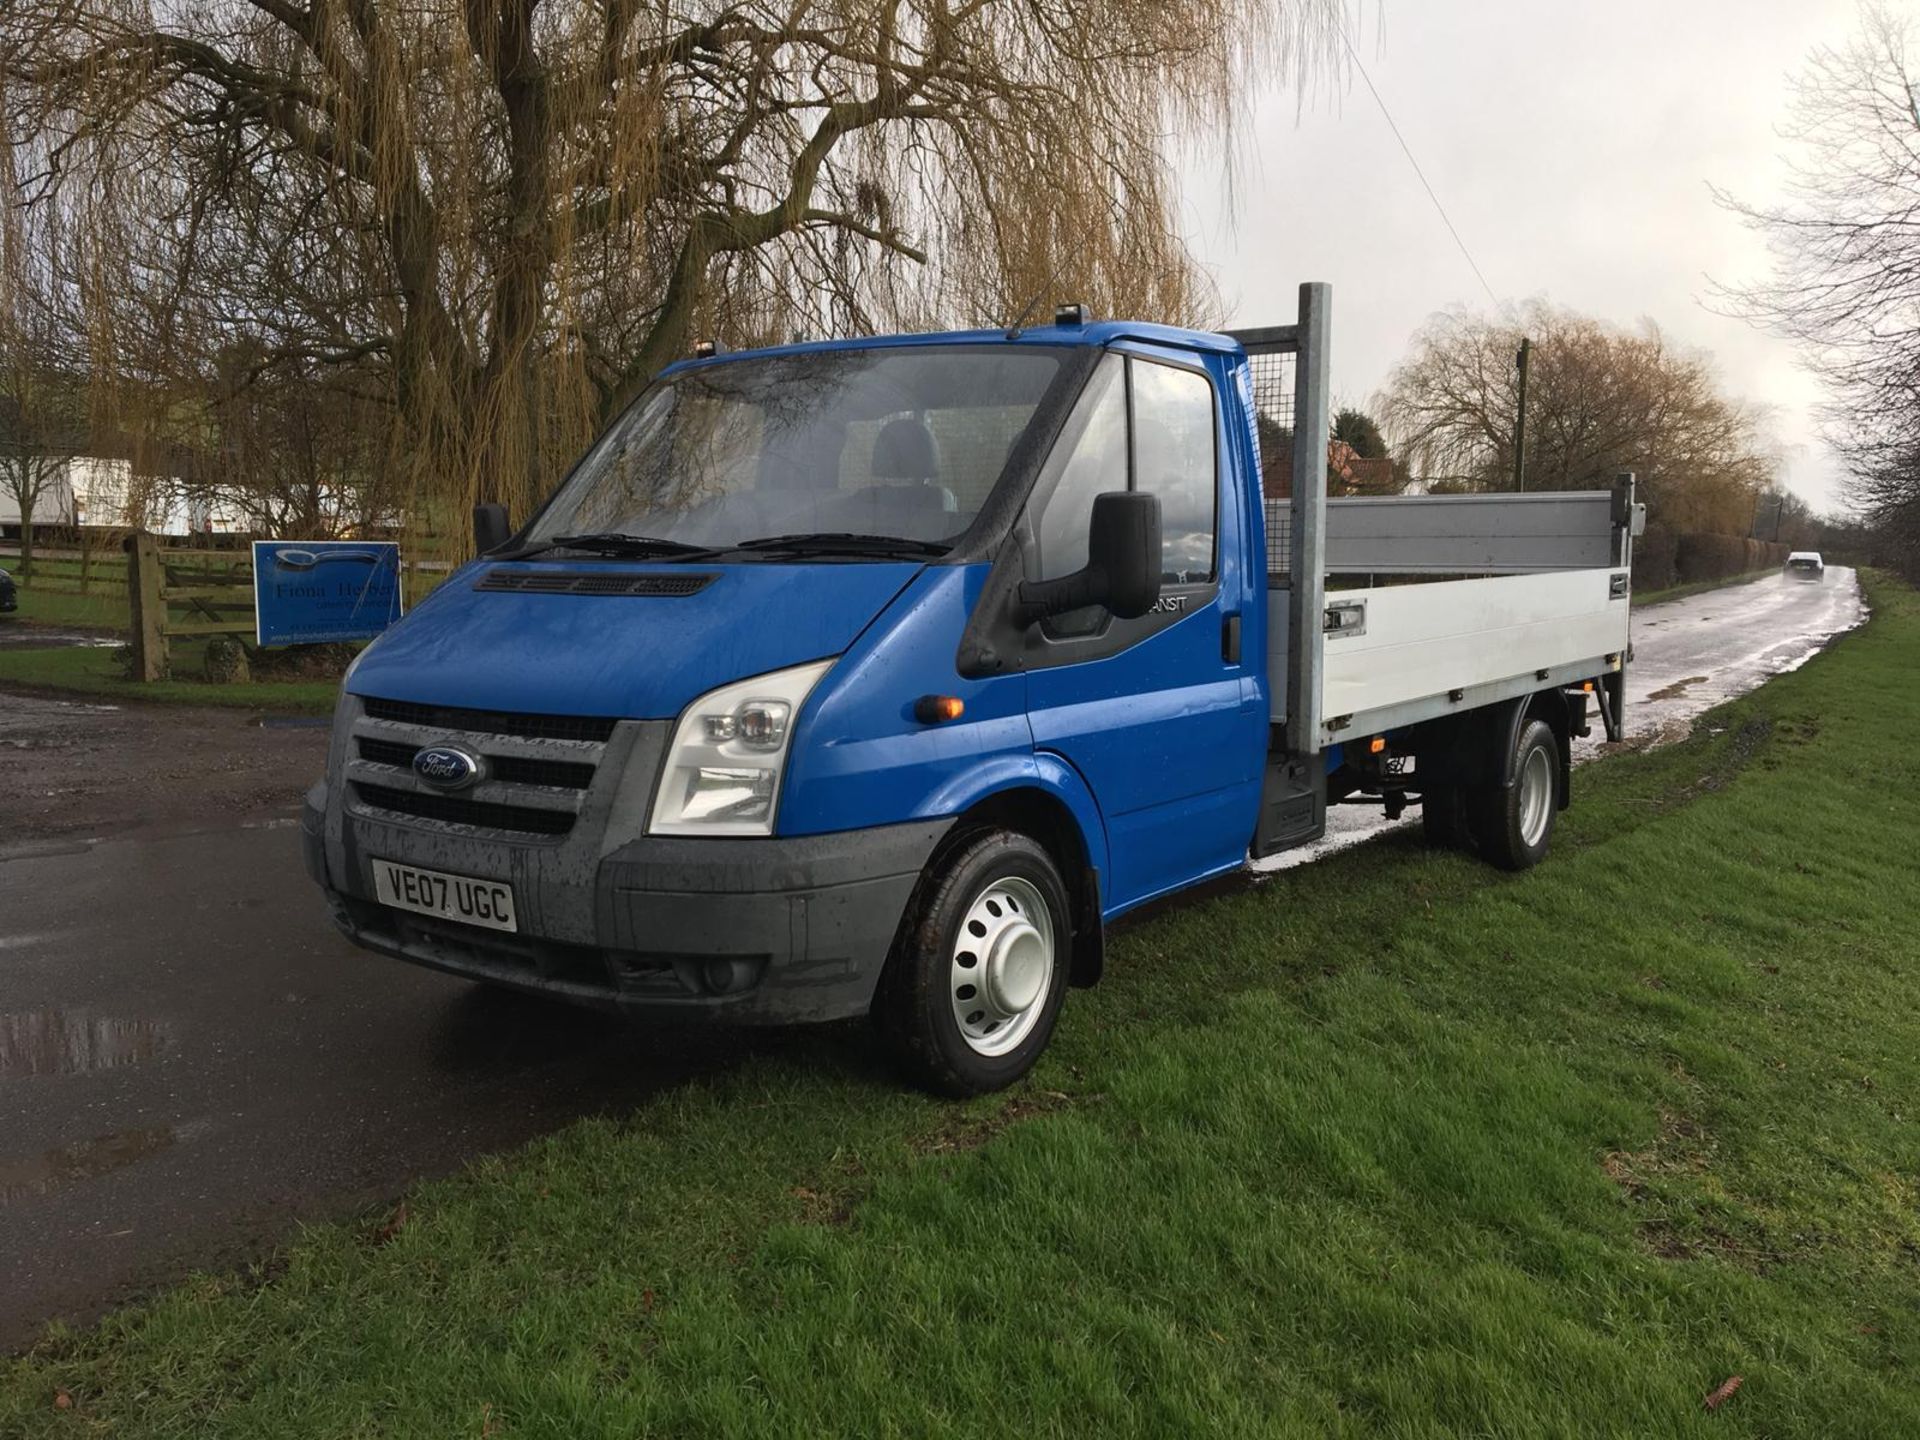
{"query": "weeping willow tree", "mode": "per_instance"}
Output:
(502, 217)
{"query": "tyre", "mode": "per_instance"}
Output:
(1514, 823)
(1443, 818)
(977, 976)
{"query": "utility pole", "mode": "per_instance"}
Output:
(1520, 424)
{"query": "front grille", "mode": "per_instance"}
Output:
(492, 722)
(483, 814)
(593, 582)
(515, 769)
(387, 752)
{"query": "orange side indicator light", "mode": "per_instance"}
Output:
(938, 709)
(1376, 745)
(1587, 685)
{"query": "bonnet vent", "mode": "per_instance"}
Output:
(592, 582)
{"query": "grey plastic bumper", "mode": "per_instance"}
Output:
(743, 931)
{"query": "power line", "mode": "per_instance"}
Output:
(1407, 150)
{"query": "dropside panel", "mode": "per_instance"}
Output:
(1407, 642)
(1458, 534)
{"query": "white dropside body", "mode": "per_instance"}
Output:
(1548, 607)
(1421, 643)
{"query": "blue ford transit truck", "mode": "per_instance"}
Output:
(876, 677)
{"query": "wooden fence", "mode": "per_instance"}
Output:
(174, 593)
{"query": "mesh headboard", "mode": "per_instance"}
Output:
(1272, 356)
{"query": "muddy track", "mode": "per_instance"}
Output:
(71, 769)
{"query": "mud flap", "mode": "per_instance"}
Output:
(1293, 804)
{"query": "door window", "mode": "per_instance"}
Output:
(1090, 459)
(1171, 455)
(1173, 458)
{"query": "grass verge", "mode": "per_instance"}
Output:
(1388, 1144)
(94, 672)
(104, 607)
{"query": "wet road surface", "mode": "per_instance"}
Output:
(191, 1059)
(1694, 654)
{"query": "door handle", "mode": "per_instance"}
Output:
(1230, 639)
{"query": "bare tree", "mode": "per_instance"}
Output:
(291, 449)
(1600, 400)
(40, 431)
(514, 213)
(1846, 247)
(42, 404)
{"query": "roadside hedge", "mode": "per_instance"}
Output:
(1663, 558)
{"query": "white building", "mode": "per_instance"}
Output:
(94, 491)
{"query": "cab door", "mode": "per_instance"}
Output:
(1152, 712)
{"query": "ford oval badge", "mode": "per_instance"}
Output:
(447, 767)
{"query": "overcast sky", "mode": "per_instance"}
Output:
(1572, 143)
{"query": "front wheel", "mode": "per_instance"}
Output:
(979, 972)
(1514, 823)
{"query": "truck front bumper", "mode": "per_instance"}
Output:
(743, 931)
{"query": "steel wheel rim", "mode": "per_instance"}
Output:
(1001, 970)
(1536, 795)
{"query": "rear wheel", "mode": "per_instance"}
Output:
(976, 980)
(1513, 824)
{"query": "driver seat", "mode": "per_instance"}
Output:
(905, 453)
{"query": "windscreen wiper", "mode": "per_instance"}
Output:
(842, 542)
(612, 542)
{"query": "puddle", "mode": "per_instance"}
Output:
(1677, 689)
(21, 942)
(20, 1179)
(22, 710)
(34, 637)
(58, 1042)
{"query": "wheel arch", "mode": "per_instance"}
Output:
(1552, 707)
(1046, 816)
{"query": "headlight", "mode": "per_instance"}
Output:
(722, 775)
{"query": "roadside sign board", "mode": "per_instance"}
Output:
(306, 592)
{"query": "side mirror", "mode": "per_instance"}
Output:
(490, 528)
(1123, 563)
(1125, 543)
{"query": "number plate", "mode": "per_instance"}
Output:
(452, 897)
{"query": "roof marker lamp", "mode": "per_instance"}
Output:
(722, 775)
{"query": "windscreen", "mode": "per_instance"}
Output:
(903, 441)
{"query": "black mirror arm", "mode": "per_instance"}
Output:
(1038, 599)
